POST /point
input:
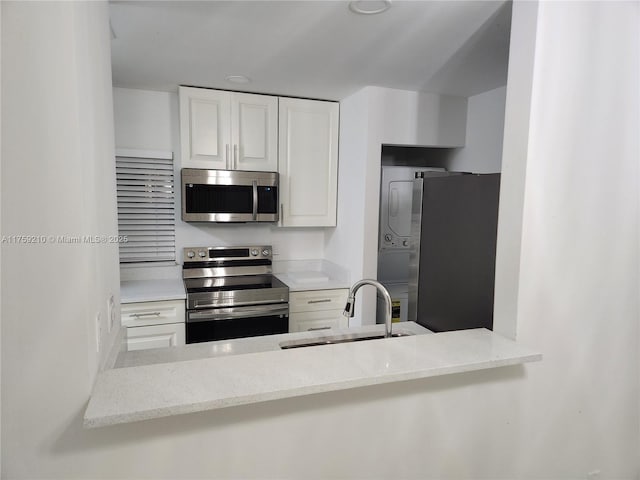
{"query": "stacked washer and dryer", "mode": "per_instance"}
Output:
(394, 242)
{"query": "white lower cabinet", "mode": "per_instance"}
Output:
(310, 321)
(154, 324)
(317, 310)
(155, 336)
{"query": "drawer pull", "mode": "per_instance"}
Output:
(318, 328)
(151, 314)
(324, 300)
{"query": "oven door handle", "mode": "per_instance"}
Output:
(236, 312)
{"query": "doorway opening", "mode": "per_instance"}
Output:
(398, 166)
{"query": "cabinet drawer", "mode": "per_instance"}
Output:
(152, 313)
(318, 300)
(155, 336)
(324, 320)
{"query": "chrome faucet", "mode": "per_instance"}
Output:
(350, 306)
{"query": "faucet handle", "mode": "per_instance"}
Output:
(349, 307)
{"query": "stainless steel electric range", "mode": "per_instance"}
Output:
(232, 293)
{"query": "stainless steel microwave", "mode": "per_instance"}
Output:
(229, 196)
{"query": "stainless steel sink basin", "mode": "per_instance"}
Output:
(332, 339)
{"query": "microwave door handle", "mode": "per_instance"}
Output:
(255, 200)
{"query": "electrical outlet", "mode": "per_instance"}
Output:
(111, 313)
(98, 331)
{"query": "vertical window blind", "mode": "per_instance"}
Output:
(146, 201)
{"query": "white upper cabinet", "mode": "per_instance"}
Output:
(254, 133)
(228, 130)
(205, 127)
(308, 162)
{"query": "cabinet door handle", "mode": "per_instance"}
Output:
(235, 156)
(226, 156)
(281, 217)
(324, 300)
(318, 328)
(151, 314)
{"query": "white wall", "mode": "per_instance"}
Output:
(524, 27)
(573, 414)
(482, 152)
(370, 118)
(578, 288)
(345, 244)
(144, 119)
(1, 232)
(57, 132)
(149, 120)
(416, 118)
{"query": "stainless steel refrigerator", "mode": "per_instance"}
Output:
(453, 250)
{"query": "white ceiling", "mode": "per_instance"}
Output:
(317, 49)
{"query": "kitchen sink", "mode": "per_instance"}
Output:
(333, 339)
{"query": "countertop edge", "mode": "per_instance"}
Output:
(450, 353)
(297, 392)
(330, 284)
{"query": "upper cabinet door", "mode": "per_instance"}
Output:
(205, 133)
(308, 162)
(228, 130)
(254, 132)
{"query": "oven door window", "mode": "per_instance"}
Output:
(200, 198)
(207, 326)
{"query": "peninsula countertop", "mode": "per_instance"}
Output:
(143, 392)
(241, 346)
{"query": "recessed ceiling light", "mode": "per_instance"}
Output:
(238, 79)
(369, 7)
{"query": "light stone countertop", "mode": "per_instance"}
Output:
(298, 275)
(319, 274)
(240, 346)
(123, 395)
(132, 291)
(302, 281)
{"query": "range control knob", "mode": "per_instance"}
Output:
(254, 252)
(265, 252)
(388, 237)
(202, 254)
(405, 243)
(191, 254)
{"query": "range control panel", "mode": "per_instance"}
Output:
(207, 254)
